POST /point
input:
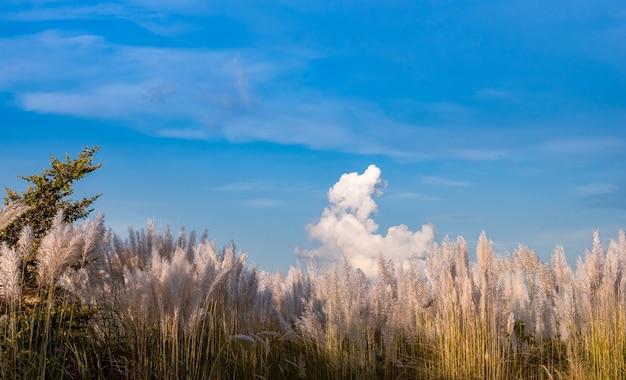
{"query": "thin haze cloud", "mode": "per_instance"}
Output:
(441, 181)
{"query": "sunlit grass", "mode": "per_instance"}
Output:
(158, 307)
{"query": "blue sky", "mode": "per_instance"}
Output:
(238, 116)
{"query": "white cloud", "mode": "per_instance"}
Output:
(346, 228)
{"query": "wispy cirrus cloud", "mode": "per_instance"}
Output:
(412, 196)
(441, 181)
(496, 94)
(264, 203)
(480, 154)
(153, 16)
(87, 76)
(603, 195)
(239, 94)
(246, 186)
(596, 188)
(590, 145)
(113, 101)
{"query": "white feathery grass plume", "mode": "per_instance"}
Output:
(485, 258)
(93, 232)
(181, 241)
(563, 274)
(469, 305)
(435, 270)
(583, 308)
(25, 241)
(10, 275)
(164, 285)
(563, 293)
(510, 330)
(464, 281)
(62, 246)
(264, 300)
(448, 251)
(328, 295)
(546, 278)
(484, 254)
(346, 296)
(205, 253)
(285, 326)
(516, 293)
(594, 262)
(232, 291)
(421, 287)
(295, 291)
(543, 322)
(207, 265)
(10, 212)
(191, 246)
(449, 273)
(244, 290)
(243, 338)
(220, 282)
(403, 310)
(384, 293)
(612, 273)
(175, 282)
(620, 246)
(170, 287)
(343, 298)
(462, 258)
(510, 324)
(310, 326)
(163, 243)
(564, 315)
(301, 366)
(526, 259)
(87, 284)
(73, 283)
(499, 307)
(228, 257)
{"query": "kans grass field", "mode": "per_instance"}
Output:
(80, 301)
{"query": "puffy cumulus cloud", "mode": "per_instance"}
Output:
(346, 228)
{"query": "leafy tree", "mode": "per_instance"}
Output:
(49, 194)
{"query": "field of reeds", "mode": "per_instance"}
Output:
(156, 305)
